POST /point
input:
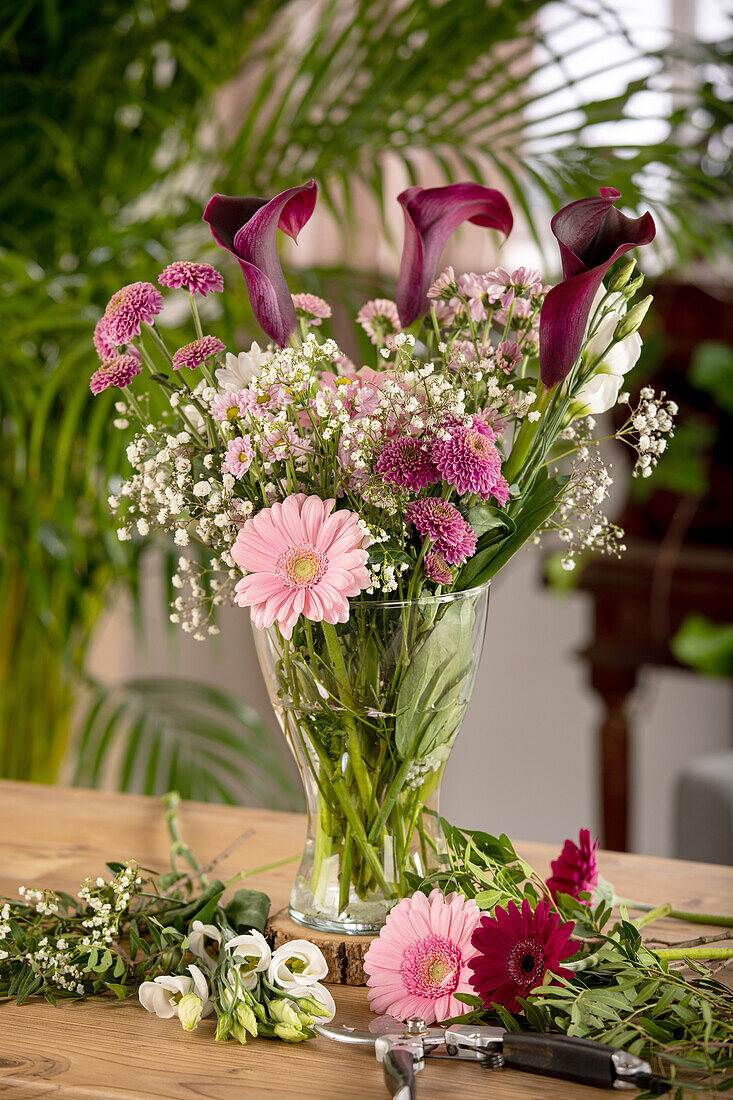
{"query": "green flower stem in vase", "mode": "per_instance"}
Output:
(371, 709)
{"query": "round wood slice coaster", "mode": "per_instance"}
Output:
(344, 954)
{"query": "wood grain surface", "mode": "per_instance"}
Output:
(55, 837)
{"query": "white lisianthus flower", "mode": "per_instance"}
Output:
(296, 966)
(600, 393)
(165, 994)
(321, 996)
(197, 934)
(239, 370)
(597, 395)
(252, 955)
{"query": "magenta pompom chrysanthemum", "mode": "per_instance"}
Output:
(437, 569)
(302, 558)
(197, 352)
(515, 949)
(406, 462)
(379, 319)
(452, 537)
(576, 868)
(118, 371)
(311, 308)
(106, 348)
(419, 962)
(197, 278)
(469, 460)
(128, 308)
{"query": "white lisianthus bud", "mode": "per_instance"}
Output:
(296, 965)
(630, 323)
(189, 1011)
(319, 1002)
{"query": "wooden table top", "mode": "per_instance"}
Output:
(55, 837)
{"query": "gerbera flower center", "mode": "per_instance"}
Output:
(302, 566)
(526, 963)
(431, 967)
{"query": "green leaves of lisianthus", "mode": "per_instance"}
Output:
(248, 909)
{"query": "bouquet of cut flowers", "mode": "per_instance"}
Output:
(360, 510)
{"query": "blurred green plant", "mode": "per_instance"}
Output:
(705, 646)
(117, 132)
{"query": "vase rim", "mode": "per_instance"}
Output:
(444, 597)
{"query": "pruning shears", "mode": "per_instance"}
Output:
(402, 1053)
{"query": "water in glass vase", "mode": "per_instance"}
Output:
(371, 709)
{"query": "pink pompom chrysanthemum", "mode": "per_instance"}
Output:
(576, 868)
(437, 569)
(106, 348)
(515, 949)
(406, 463)
(197, 278)
(118, 371)
(312, 309)
(197, 352)
(419, 962)
(440, 521)
(128, 308)
(302, 558)
(238, 458)
(469, 460)
(379, 319)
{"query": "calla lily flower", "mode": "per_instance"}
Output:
(592, 235)
(247, 227)
(431, 215)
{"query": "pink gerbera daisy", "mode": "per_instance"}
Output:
(312, 309)
(197, 352)
(576, 869)
(118, 371)
(128, 308)
(197, 278)
(106, 348)
(469, 460)
(406, 462)
(516, 949)
(379, 319)
(420, 959)
(302, 558)
(439, 520)
(238, 458)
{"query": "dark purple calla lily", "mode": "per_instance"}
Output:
(431, 215)
(247, 227)
(592, 234)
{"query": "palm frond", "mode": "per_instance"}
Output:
(154, 735)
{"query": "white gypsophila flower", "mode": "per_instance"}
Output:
(252, 955)
(197, 935)
(296, 965)
(164, 994)
(239, 370)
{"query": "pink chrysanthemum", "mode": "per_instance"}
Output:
(437, 569)
(514, 951)
(379, 319)
(406, 462)
(419, 962)
(576, 868)
(302, 559)
(311, 308)
(283, 442)
(445, 285)
(118, 371)
(469, 460)
(229, 406)
(440, 521)
(197, 352)
(106, 349)
(128, 308)
(508, 356)
(238, 458)
(197, 278)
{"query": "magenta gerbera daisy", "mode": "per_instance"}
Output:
(379, 319)
(420, 959)
(576, 868)
(197, 278)
(302, 558)
(406, 462)
(197, 352)
(128, 308)
(238, 458)
(106, 349)
(469, 460)
(440, 521)
(312, 309)
(515, 949)
(118, 371)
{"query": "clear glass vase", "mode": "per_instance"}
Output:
(371, 709)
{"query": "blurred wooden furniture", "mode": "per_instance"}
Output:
(52, 836)
(678, 560)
